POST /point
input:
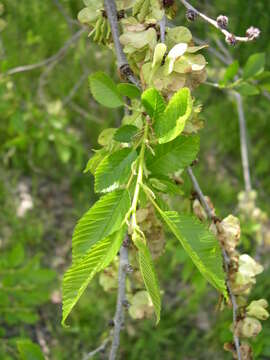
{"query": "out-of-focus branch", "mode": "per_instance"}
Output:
(121, 298)
(75, 88)
(84, 113)
(226, 259)
(251, 34)
(243, 141)
(49, 60)
(101, 348)
(63, 11)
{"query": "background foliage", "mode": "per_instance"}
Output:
(49, 125)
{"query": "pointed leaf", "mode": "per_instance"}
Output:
(172, 122)
(247, 89)
(149, 276)
(114, 170)
(105, 90)
(200, 244)
(126, 133)
(254, 65)
(104, 218)
(166, 185)
(29, 350)
(153, 102)
(94, 161)
(77, 278)
(230, 72)
(174, 155)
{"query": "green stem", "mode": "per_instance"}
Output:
(139, 179)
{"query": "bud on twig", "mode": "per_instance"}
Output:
(253, 33)
(111, 323)
(129, 269)
(168, 3)
(191, 15)
(222, 21)
(231, 40)
(125, 304)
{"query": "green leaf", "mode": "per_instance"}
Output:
(254, 65)
(200, 244)
(129, 90)
(106, 136)
(94, 161)
(165, 184)
(264, 80)
(114, 170)
(149, 276)
(79, 275)
(247, 89)
(173, 120)
(16, 256)
(174, 155)
(29, 350)
(126, 133)
(104, 218)
(230, 72)
(104, 90)
(153, 102)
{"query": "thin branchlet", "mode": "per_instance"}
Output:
(221, 24)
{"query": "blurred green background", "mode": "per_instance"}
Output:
(48, 126)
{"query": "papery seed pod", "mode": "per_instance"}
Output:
(199, 210)
(258, 310)
(246, 352)
(191, 15)
(229, 230)
(141, 305)
(231, 40)
(222, 21)
(248, 327)
(253, 33)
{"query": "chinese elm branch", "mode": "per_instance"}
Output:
(212, 217)
(101, 348)
(243, 141)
